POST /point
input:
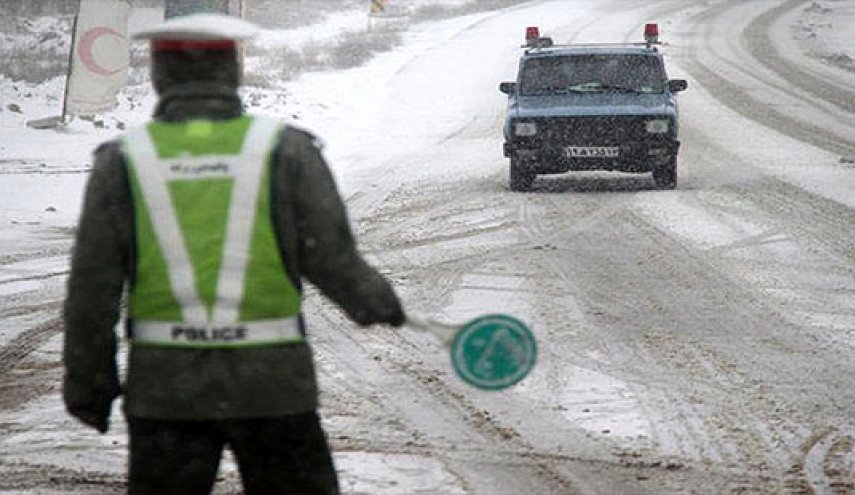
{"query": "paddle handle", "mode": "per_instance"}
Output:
(443, 331)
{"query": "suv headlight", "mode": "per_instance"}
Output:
(658, 126)
(525, 129)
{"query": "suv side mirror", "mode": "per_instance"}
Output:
(508, 87)
(677, 85)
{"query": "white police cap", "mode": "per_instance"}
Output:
(200, 27)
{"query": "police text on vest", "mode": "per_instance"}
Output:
(208, 334)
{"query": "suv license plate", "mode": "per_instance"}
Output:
(592, 151)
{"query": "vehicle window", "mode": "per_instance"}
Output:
(592, 73)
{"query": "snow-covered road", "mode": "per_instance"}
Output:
(690, 341)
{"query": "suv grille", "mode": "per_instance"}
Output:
(593, 130)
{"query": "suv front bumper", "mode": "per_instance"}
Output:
(637, 156)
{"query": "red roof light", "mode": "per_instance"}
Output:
(651, 32)
(532, 33)
(651, 29)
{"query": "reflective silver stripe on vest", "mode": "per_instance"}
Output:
(246, 169)
(229, 335)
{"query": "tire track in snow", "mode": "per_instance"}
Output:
(807, 215)
(434, 294)
(762, 47)
(827, 464)
(701, 60)
(797, 227)
(19, 385)
(409, 390)
(709, 371)
(56, 252)
(23, 478)
(439, 261)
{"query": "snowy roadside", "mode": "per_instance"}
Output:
(57, 160)
(823, 31)
(51, 165)
(819, 38)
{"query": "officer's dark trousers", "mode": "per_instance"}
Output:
(287, 455)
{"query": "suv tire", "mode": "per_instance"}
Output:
(665, 176)
(519, 178)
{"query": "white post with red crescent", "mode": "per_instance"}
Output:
(99, 58)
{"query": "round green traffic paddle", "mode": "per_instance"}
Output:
(491, 352)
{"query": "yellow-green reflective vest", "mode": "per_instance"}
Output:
(209, 272)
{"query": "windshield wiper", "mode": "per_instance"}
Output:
(584, 87)
(597, 86)
(620, 89)
(564, 91)
(552, 91)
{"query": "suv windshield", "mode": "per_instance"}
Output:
(592, 73)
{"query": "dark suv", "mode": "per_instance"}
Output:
(591, 107)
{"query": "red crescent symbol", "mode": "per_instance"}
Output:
(84, 49)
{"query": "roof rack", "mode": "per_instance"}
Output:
(533, 40)
(540, 46)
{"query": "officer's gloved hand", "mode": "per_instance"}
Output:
(97, 417)
(390, 314)
(91, 401)
(396, 316)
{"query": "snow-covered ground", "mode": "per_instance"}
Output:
(824, 30)
(426, 116)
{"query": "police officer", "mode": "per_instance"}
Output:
(210, 220)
